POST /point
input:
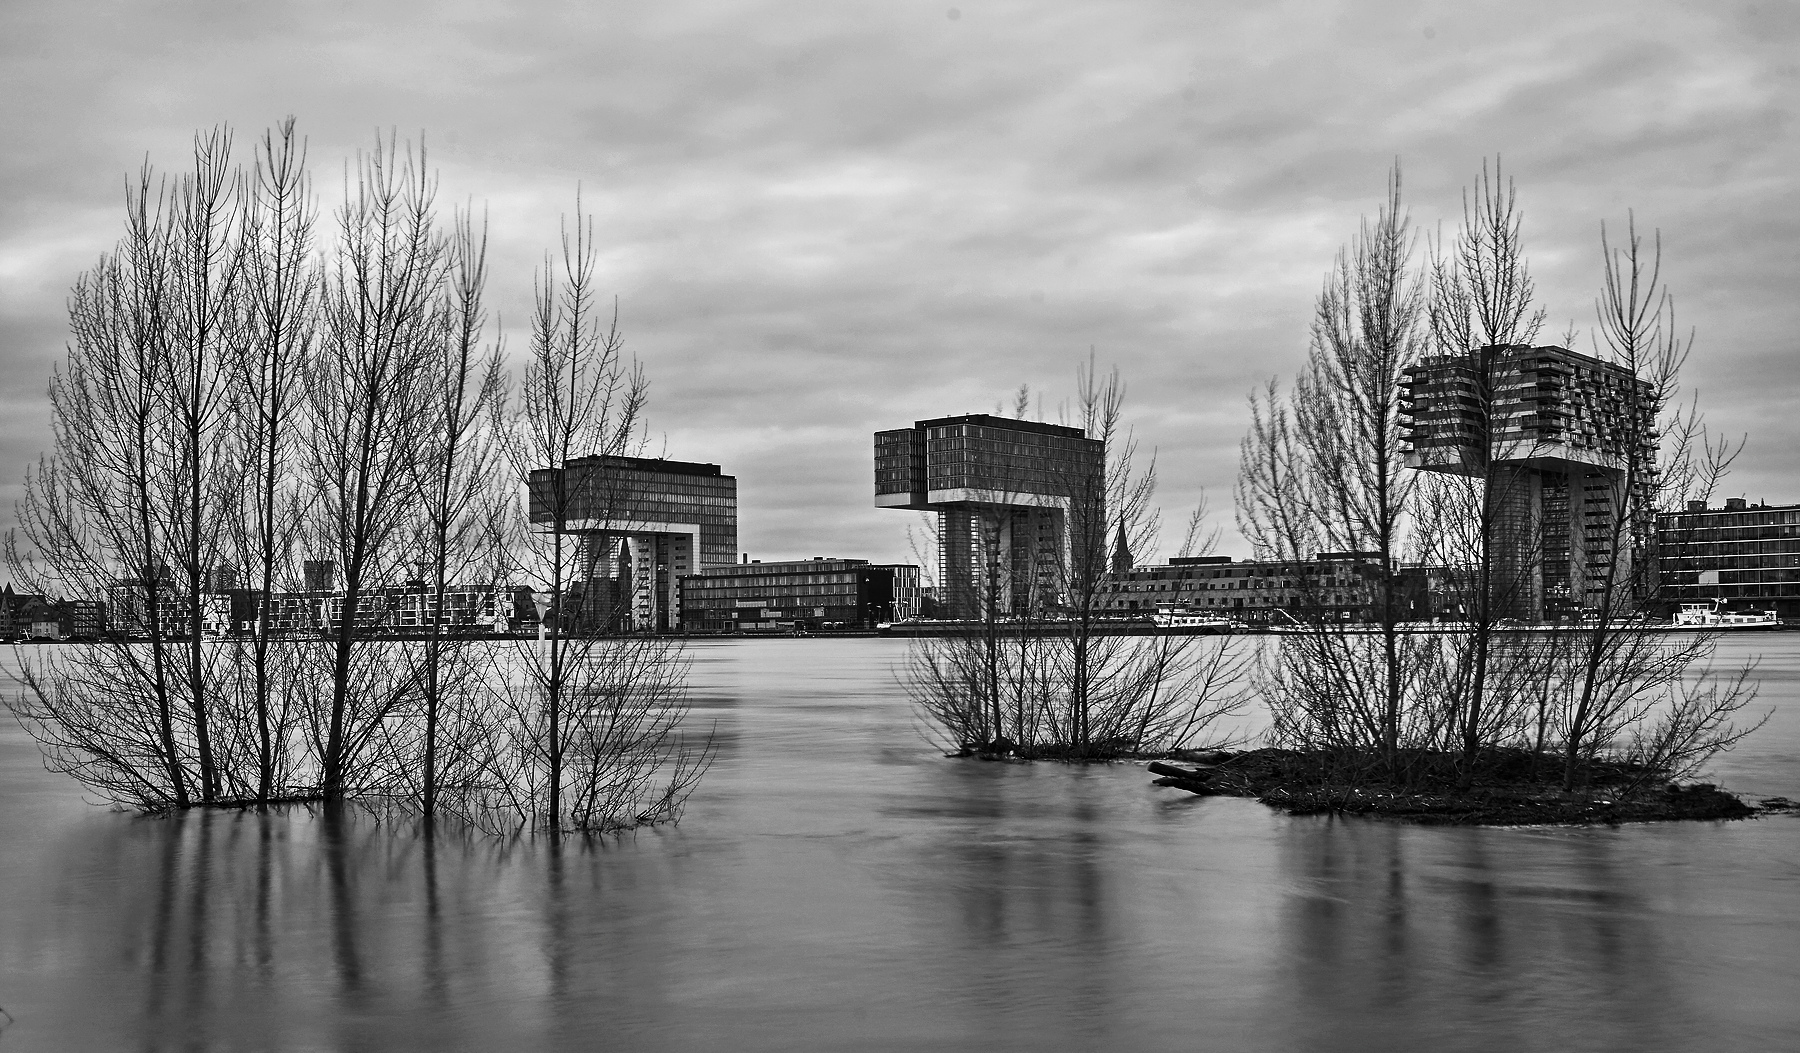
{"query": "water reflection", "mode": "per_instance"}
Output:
(306, 929)
(1018, 899)
(838, 886)
(1499, 937)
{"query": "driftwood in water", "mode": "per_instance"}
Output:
(1193, 781)
(1170, 770)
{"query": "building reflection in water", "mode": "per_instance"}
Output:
(1490, 937)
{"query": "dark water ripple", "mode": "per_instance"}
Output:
(838, 886)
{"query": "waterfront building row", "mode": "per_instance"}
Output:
(817, 593)
(31, 616)
(1741, 556)
(1332, 587)
(792, 595)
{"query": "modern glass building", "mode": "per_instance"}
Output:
(1747, 556)
(1020, 505)
(643, 523)
(1556, 430)
(809, 594)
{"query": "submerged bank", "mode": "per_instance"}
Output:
(1512, 788)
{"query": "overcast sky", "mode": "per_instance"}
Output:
(825, 219)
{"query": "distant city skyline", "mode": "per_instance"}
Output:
(820, 220)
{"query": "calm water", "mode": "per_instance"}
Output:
(837, 885)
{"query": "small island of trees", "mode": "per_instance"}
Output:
(1495, 717)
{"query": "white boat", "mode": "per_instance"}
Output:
(1713, 615)
(1175, 616)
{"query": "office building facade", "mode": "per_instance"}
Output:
(1333, 587)
(806, 594)
(641, 524)
(1020, 506)
(1744, 556)
(1555, 431)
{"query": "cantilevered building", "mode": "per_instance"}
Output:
(1555, 429)
(642, 524)
(1016, 500)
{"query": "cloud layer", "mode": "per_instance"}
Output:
(822, 220)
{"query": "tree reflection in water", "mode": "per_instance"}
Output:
(328, 928)
(840, 886)
(1442, 935)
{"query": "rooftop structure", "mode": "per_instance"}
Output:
(1553, 430)
(644, 522)
(1550, 408)
(1015, 500)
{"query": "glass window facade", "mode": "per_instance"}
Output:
(1535, 398)
(1335, 587)
(986, 453)
(630, 493)
(800, 594)
(644, 522)
(1014, 493)
(1746, 555)
(1555, 432)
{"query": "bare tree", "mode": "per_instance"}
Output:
(205, 267)
(1112, 496)
(1043, 674)
(103, 513)
(278, 327)
(1323, 468)
(454, 476)
(233, 403)
(378, 332)
(592, 738)
(1481, 304)
(1637, 332)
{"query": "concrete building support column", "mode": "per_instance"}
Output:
(1517, 576)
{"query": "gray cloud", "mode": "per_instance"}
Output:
(822, 220)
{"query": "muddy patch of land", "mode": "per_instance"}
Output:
(1510, 788)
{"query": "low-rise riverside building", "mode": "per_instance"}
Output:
(817, 593)
(1745, 556)
(1333, 587)
(25, 616)
(404, 610)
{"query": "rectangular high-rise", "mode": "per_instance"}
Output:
(1021, 505)
(1554, 431)
(643, 523)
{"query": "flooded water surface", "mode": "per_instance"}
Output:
(839, 885)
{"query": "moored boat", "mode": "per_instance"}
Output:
(1712, 614)
(1179, 618)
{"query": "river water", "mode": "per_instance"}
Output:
(838, 885)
